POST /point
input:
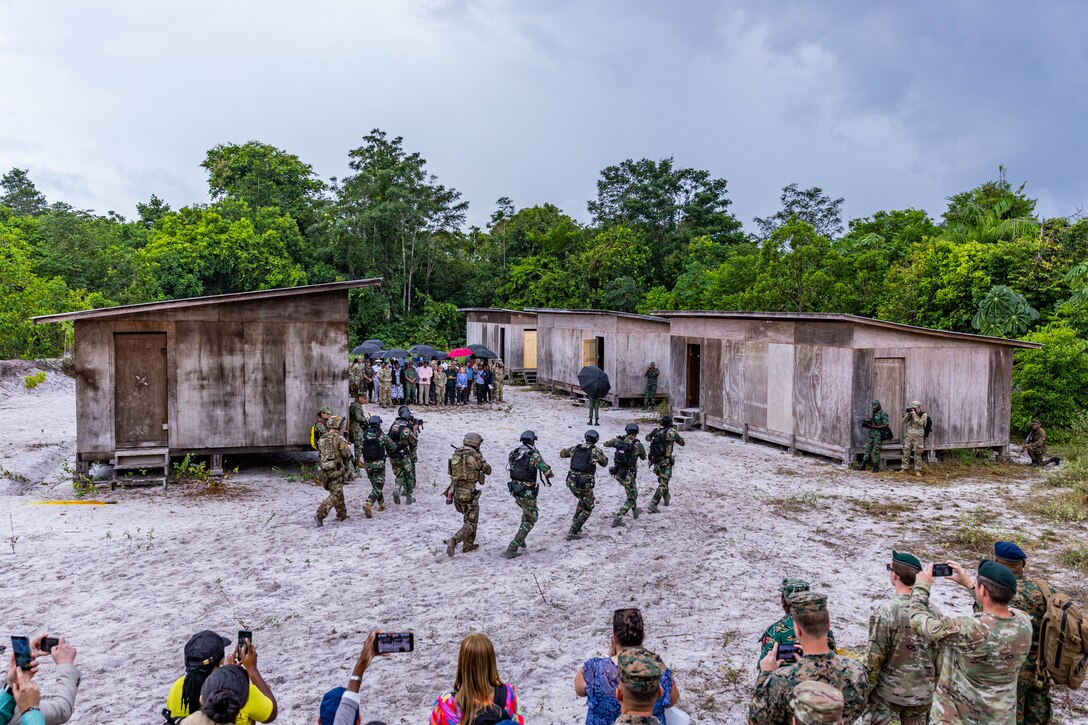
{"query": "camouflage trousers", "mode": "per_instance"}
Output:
(335, 499)
(470, 509)
(385, 395)
(583, 491)
(1032, 703)
(530, 514)
(1035, 453)
(404, 470)
(498, 390)
(630, 487)
(409, 393)
(649, 394)
(376, 473)
(873, 445)
(663, 470)
(913, 445)
(594, 411)
(879, 712)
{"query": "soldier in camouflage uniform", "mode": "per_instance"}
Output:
(649, 395)
(1035, 446)
(411, 378)
(777, 680)
(525, 463)
(385, 386)
(321, 424)
(902, 668)
(639, 674)
(874, 443)
(372, 448)
(335, 454)
(405, 437)
(354, 376)
(467, 468)
(914, 437)
(816, 703)
(366, 380)
(582, 478)
(663, 465)
(594, 405)
(439, 383)
(626, 474)
(498, 370)
(782, 632)
(982, 654)
(1033, 706)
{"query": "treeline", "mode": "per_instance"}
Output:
(661, 237)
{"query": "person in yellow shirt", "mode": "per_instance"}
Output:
(204, 652)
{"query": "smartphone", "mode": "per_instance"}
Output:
(21, 647)
(245, 638)
(787, 651)
(48, 643)
(389, 642)
(942, 570)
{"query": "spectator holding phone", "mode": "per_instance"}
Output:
(57, 707)
(23, 694)
(222, 697)
(204, 653)
(598, 678)
(477, 690)
(340, 705)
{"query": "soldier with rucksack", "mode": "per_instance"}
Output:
(526, 464)
(405, 437)
(335, 455)
(584, 459)
(624, 469)
(373, 448)
(467, 468)
(661, 460)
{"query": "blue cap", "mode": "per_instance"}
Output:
(1009, 551)
(329, 704)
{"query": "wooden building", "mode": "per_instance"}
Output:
(233, 373)
(620, 343)
(510, 334)
(807, 380)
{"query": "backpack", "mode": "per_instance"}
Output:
(460, 469)
(521, 465)
(886, 433)
(581, 461)
(372, 447)
(1063, 640)
(658, 445)
(313, 436)
(494, 714)
(626, 455)
(929, 426)
(396, 432)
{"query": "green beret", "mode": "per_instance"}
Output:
(792, 586)
(907, 559)
(998, 573)
(806, 603)
(640, 669)
(816, 702)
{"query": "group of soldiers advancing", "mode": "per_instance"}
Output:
(528, 470)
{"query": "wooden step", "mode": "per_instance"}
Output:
(135, 459)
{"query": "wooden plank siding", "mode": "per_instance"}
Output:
(486, 327)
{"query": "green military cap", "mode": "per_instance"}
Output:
(807, 603)
(906, 558)
(876, 403)
(998, 573)
(792, 586)
(816, 702)
(640, 669)
(325, 410)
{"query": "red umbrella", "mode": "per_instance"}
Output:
(461, 352)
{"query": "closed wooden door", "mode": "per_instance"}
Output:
(139, 385)
(889, 380)
(529, 342)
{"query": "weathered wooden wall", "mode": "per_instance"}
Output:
(485, 328)
(243, 375)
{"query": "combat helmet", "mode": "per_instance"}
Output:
(375, 420)
(666, 421)
(630, 428)
(335, 422)
(473, 440)
(592, 436)
(404, 412)
(528, 437)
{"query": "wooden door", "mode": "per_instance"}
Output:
(589, 352)
(694, 369)
(529, 349)
(139, 389)
(889, 379)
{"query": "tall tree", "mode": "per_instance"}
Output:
(20, 193)
(811, 206)
(966, 206)
(262, 176)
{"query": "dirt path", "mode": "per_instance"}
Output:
(131, 581)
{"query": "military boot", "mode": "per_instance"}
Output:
(652, 508)
(617, 521)
(381, 506)
(863, 465)
(572, 535)
(636, 511)
(368, 510)
(451, 547)
(409, 499)
(318, 521)
(396, 496)
(665, 499)
(511, 552)
(470, 547)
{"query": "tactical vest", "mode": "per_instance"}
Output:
(659, 445)
(372, 447)
(398, 432)
(581, 461)
(521, 465)
(626, 454)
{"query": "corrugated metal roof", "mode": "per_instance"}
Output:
(122, 310)
(841, 317)
(632, 315)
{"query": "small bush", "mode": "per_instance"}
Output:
(32, 381)
(1076, 557)
(1051, 383)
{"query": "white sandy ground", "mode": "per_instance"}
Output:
(129, 582)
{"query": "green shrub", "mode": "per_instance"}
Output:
(32, 381)
(1050, 383)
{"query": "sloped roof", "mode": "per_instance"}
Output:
(495, 309)
(122, 310)
(841, 317)
(632, 315)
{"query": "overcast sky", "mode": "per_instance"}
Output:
(889, 104)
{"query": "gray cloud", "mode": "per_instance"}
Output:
(889, 105)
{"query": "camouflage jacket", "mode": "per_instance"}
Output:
(596, 455)
(782, 632)
(672, 436)
(385, 376)
(407, 435)
(356, 418)
(982, 658)
(470, 462)
(334, 451)
(651, 374)
(771, 700)
(902, 667)
(1029, 599)
(320, 428)
(914, 424)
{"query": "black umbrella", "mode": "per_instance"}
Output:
(395, 352)
(439, 355)
(594, 381)
(422, 350)
(476, 346)
(483, 353)
(366, 348)
(375, 341)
